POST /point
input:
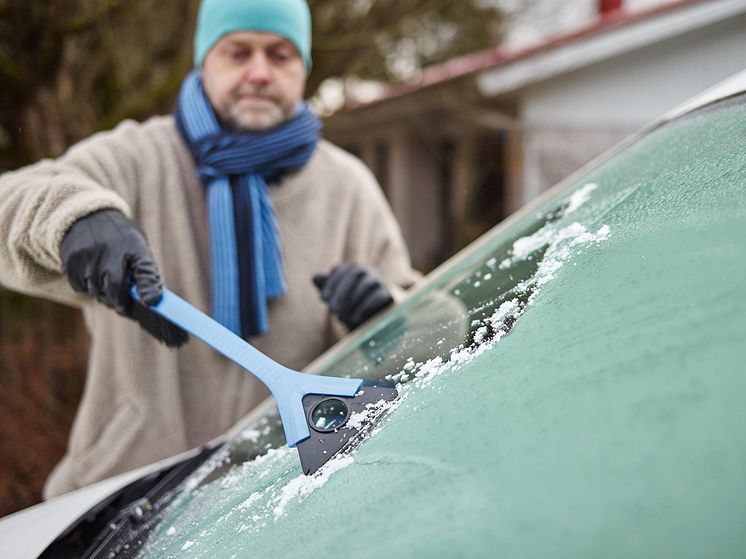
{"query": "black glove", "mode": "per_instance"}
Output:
(102, 253)
(354, 293)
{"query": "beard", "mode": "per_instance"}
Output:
(256, 109)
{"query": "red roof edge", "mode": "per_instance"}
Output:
(492, 57)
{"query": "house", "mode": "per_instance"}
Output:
(469, 141)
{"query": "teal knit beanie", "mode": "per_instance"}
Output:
(288, 18)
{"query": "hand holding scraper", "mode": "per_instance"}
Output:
(314, 409)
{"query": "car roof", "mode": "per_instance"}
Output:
(732, 86)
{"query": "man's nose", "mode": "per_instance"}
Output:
(258, 70)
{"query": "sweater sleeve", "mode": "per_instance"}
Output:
(39, 203)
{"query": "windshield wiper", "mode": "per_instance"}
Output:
(117, 527)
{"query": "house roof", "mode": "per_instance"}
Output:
(500, 70)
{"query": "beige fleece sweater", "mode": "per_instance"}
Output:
(142, 400)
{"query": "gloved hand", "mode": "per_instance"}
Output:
(354, 293)
(102, 253)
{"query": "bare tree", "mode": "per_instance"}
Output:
(72, 67)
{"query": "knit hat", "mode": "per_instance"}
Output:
(288, 18)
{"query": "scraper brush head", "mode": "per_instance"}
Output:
(338, 424)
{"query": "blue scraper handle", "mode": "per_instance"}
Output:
(287, 386)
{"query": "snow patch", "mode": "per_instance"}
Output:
(253, 435)
(556, 240)
(366, 417)
(303, 485)
(580, 197)
(560, 249)
(253, 498)
(525, 246)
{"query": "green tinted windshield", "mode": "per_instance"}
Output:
(573, 385)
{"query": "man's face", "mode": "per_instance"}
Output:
(254, 80)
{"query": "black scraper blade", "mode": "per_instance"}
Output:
(328, 419)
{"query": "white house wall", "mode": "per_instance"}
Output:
(572, 118)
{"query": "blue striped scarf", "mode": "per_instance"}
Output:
(235, 168)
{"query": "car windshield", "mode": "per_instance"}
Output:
(463, 312)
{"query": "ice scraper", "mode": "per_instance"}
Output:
(315, 410)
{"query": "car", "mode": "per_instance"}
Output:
(572, 384)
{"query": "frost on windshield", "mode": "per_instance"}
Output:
(548, 249)
(256, 480)
(241, 502)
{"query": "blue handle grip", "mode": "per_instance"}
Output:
(287, 386)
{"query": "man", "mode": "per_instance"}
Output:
(234, 203)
